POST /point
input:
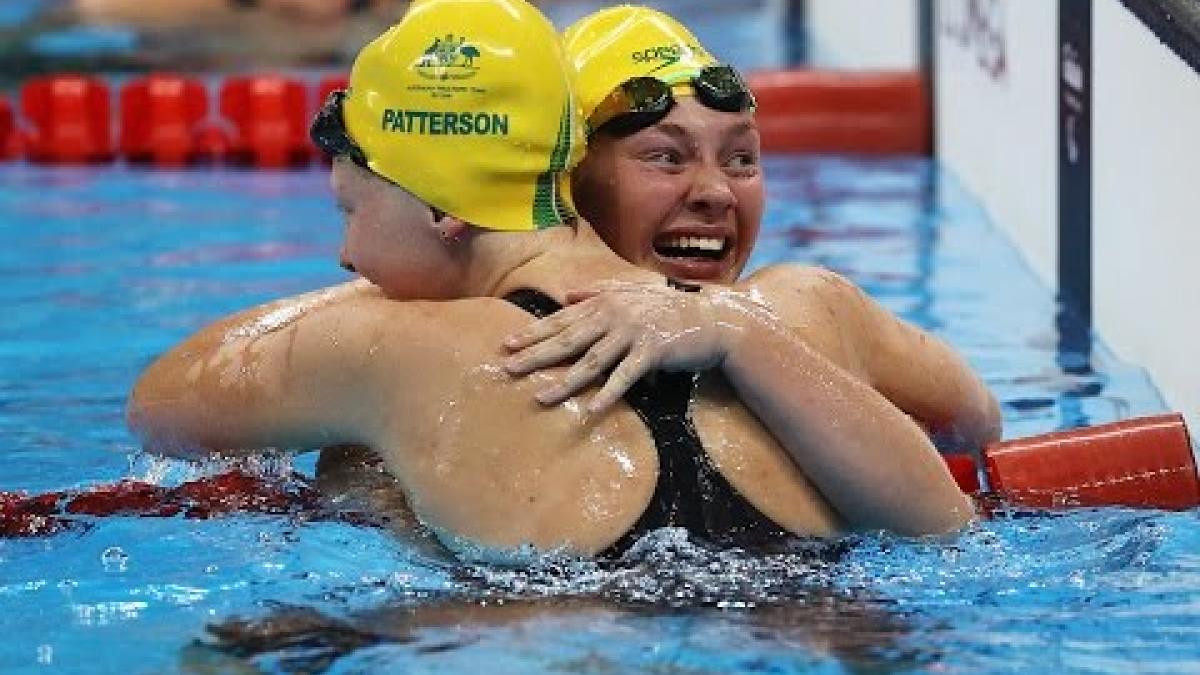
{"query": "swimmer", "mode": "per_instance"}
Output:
(190, 13)
(223, 33)
(451, 174)
(672, 182)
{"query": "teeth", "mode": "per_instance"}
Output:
(713, 244)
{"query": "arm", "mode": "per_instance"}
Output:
(870, 460)
(867, 457)
(916, 371)
(268, 377)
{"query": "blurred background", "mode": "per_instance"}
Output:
(44, 36)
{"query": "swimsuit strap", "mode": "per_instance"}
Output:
(534, 301)
(690, 492)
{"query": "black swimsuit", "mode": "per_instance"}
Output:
(690, 493)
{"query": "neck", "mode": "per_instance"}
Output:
(554, 261)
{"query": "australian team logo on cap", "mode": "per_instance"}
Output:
(449, 58)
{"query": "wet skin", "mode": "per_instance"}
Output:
(683, 198)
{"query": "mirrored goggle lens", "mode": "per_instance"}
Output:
(722, 88)
(638, 102)
(647, 95)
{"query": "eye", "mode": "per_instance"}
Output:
(663, 157)
(742, 163)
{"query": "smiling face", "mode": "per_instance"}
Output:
(683, 197)
(391, 237)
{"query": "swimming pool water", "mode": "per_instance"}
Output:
(103, 269)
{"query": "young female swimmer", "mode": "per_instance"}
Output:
(672, 182)
(470, 226)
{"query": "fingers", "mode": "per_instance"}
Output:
(624, 376)
(579, 296)
(612, 288)
(540, 330)
(589, 368)
(572, 340)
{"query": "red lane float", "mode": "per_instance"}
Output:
(161, 116)
(1145, 462)
(164, 118)
(70, 119)
(230, 492)
(8, 131)
(842, 112)
(270, 116)
(1141, 462)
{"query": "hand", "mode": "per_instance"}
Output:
(631, 328)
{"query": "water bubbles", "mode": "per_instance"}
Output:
(664, 568)
(45, 655)
(114, 559)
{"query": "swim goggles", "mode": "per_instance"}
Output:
(328, 131)
(642, 101)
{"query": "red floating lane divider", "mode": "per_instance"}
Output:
(230, 492)
(1144, 462)
(70, 118)
(212, 142)
(1141, 462)
(8, 131)
(873, 113)
(329, 84)
(160, 119)
(964, 471)
(270, 116)
(264, 121)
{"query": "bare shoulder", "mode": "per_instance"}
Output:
(451, 325)
(786, 286)
(918, 372)
(825, 309)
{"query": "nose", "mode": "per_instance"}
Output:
(344, 260)
(710, 193)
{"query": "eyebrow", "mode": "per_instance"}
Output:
(741, 128)
(673, 130)
(676, 131)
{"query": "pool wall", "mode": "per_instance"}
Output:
(1075, 126)
(1073, 122)
(840, 34)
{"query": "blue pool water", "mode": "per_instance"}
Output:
(102, 269)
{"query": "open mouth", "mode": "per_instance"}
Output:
(703, 248)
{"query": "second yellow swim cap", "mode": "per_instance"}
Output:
(467, 105)
(612, 46)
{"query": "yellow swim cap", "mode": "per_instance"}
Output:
(612, 46)
(467, 105)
